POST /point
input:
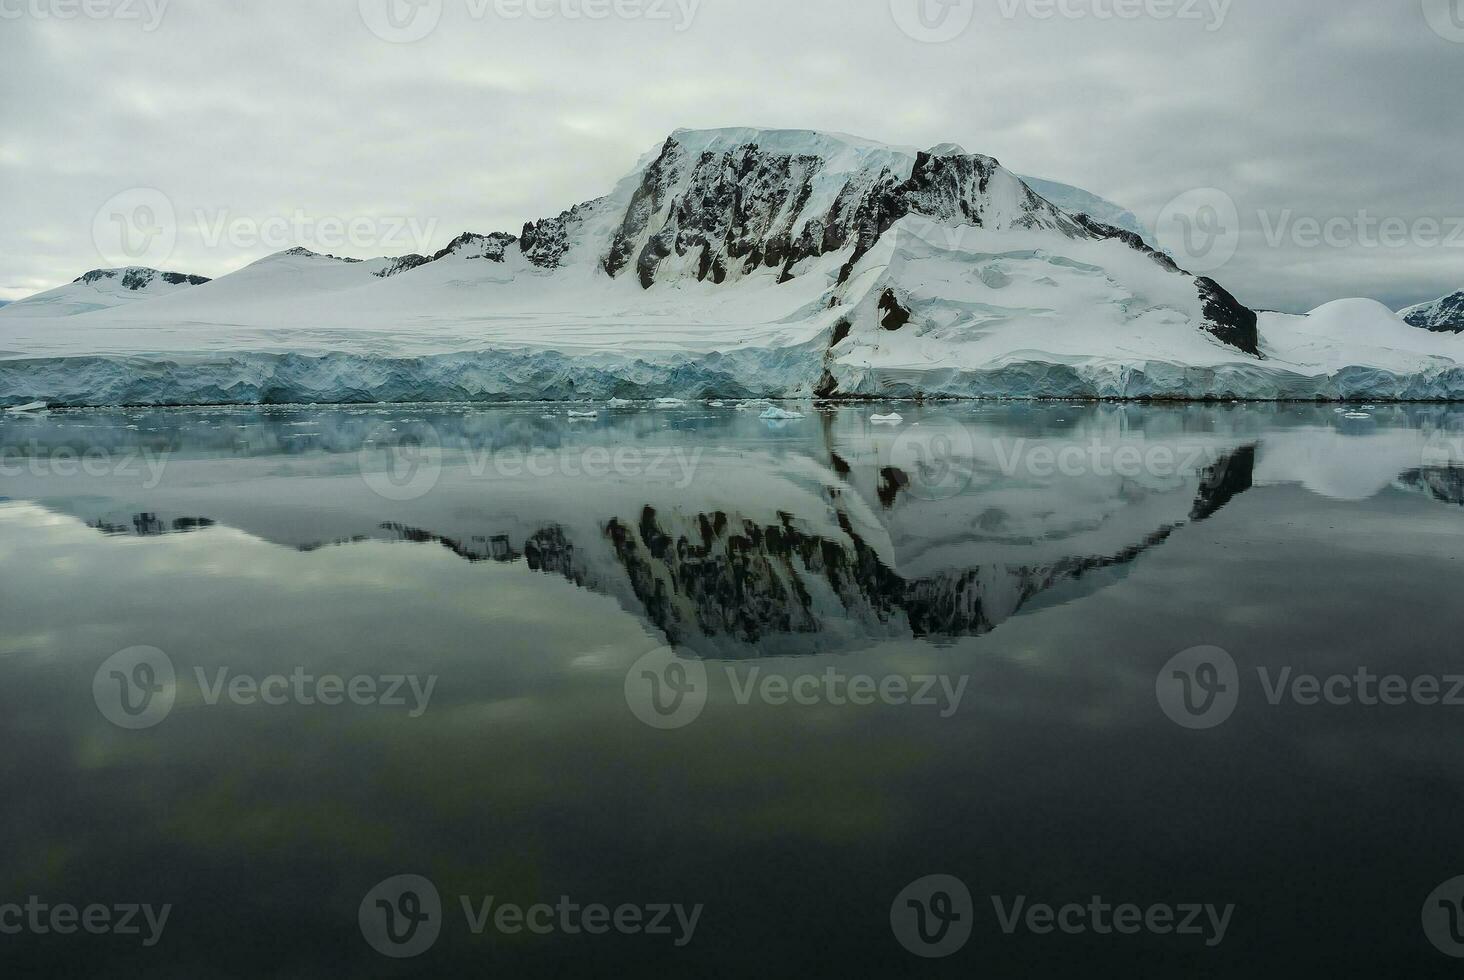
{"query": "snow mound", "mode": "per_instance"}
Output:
(1352, 316)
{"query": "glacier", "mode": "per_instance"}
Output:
(733, 264)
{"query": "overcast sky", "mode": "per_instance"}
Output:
(271, 115)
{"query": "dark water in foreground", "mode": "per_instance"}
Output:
(687, 692)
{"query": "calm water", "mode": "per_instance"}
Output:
(746, 684)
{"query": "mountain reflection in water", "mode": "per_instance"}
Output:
(752, 539)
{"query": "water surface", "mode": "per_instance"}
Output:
(1013, 582)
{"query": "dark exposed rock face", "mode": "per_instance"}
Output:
(140, 278)
(178, 279)
(892, 316)
(545, 242)
(404, 264)
(1441, 316)
(1227, 320)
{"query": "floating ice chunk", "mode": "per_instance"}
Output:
(716, 404)
(618, 403)
(895, 418)
(775, 413)
(583, 415)
(1357, 415)
(27, 407)
(670, 403)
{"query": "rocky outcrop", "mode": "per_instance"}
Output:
(138, 278)
(1444, 315)
(468, 245)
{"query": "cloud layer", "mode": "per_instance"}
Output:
(1333, 125)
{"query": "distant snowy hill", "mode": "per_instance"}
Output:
(736, 262)
(1442, 315)
(103, 289)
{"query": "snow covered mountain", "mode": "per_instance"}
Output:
(1444, 315)
(736, 262)
(103, 289)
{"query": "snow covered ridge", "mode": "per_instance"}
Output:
(136, 278)
(103, 289)
(1442, 315)
(737, 263)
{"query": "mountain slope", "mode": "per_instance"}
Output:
(103, 289)
(1444, 315)
(1075, 200)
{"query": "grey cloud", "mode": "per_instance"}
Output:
(252, 108)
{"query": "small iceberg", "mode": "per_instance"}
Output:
(893, 418)
(27, 407)
(618, 403)
(716, 404)
(583, 415)
(670, 403)
(780, 414)
(1357, 415)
